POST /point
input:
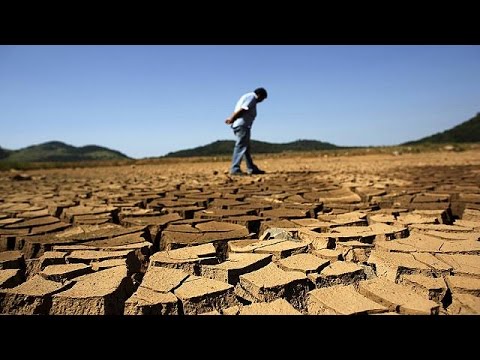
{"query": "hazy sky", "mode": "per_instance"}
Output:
(150, 100)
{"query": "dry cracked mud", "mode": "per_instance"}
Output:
(315, 235)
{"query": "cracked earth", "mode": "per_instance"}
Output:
(367, 234)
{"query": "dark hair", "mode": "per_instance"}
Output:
(261, 92)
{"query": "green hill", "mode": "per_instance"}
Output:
(56, 151)
(225, 147)
(466, 132)
(4, 153)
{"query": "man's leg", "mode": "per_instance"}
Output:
(248, 157)
(251, 167)
(240, 148)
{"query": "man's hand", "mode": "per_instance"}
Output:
(237, 114)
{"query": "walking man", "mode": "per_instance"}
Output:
(241, 122)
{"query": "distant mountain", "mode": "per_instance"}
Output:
(468, 131)
(225, 147)
(4, 153)
(56, 151)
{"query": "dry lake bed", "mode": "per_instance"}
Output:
(366, 234)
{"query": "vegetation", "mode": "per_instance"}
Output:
(225, 147)
(4, 153)
(56, 151)
(466, 132)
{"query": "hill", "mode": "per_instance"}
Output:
(466, 132)
(225, 147)
(56, 151)
(4, 153)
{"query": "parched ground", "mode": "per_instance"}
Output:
(369, 234)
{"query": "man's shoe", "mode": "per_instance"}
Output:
(256, 172)
(237, 173)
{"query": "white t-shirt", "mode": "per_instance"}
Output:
(247, 102)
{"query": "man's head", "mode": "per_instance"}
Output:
(261, 93)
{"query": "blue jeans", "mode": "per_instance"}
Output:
(241, 149)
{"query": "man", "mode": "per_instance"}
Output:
(241, 122)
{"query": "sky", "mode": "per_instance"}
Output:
(147, 101)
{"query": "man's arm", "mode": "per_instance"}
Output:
(235, 116)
